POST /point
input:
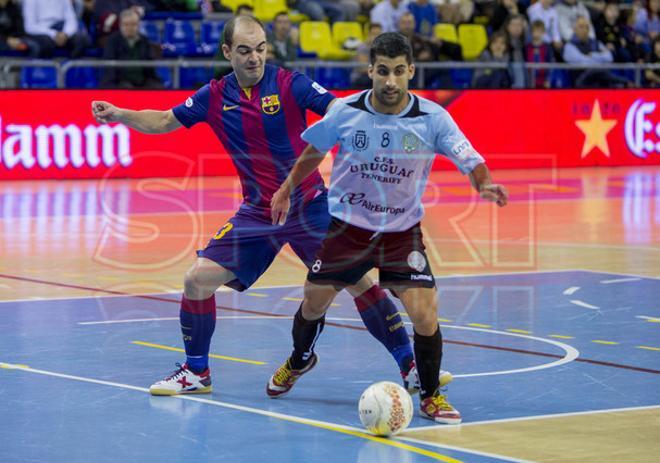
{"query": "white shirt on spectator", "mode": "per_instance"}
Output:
(567, 15)
(40, 15)
(549, 17)
(387, 15)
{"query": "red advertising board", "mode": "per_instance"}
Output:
(51, 134)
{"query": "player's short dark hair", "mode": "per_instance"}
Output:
(228, 30)
(538, 24)
(391, 45)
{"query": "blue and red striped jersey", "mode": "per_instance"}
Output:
(260, 128)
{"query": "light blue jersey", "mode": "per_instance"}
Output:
(384, 161)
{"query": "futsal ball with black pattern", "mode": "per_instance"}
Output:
(385, 408)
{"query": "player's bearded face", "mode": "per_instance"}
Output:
(390, 78)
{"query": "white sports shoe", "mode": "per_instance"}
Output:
(183, 381)
(411, 379)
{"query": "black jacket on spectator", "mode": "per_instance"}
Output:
(118, 48)
(11, 22)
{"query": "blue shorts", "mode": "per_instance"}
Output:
(248, 243)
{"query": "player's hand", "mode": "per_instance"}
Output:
(279, 205)
(496, 194)
(104, 112)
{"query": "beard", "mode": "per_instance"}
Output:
(389, 100)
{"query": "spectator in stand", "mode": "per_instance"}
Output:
(425, 15)
(609, 31)
(496, 52)
(85, 11)
(653, 75)
(516, 31)
(322, 10)
(283, 40)
(583, 49)
(359, 77)
(637, 44)
(454, 11)
(53, 24)
(387, 13)
(567, 12)
(12, 33)
(129, 45)
(504, 9)
(244, 10)
(538, 51)
(647, 20)
(107, 13)
(544, 10)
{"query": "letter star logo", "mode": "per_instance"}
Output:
(595, 131)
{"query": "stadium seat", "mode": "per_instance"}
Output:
(209, 37)
(195, 77)
(38, 77)
(179, 39)
(343, 30)
(82, 77)
(315, 37)
(473, 39)
(165, 76)
(446, 32)
(151, 31)
(265, 10)
(233, 4)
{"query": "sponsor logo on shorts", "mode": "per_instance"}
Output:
(417, 277)
(417, 261)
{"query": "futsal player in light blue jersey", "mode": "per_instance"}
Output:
(388, 140)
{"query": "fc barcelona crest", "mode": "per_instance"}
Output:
(270, 104)
(360, 140)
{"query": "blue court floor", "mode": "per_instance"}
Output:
(75, 372)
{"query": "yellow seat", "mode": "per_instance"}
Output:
(473, 39)
(446, 32)
(342, 30)
(265, 10)
(233, 4)
(315, 37)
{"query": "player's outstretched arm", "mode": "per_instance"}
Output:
(481, 181)
(308, 162)
(146, 121)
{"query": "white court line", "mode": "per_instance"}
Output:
(645, 317)
(571, 290)
(538, 417)
(257, 411)
(648, 277)
(584, 304)
(619, 280)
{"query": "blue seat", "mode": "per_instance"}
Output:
(151, 31)
(83, 77)
(38, 77)
(179, 39)
(210, 35)
(165, 76)
(195, 77)
(334, 78)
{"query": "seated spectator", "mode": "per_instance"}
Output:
(12, 34)
(636, 43)
(425, 15)
(516, 31)
(544, 10)
(359, 77)
(106, 13)
(538, 51)
(388, 13)
(53, 24)
(496, 52)
(283, 40)
(454, 11)
(128, 44)
(610, 32)
(567, 12)
(653, 75)
(647, 20)
(504, 9)
(85, 12)
(582, 49)
(244, 10)
(326, 10)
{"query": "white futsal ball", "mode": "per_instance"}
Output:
(385, 408)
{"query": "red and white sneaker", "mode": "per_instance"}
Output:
(437, 408)
(285, 377)
(411, 379)
(183, 381)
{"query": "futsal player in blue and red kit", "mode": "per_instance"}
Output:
(258, 113)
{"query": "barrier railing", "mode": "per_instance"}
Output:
(423, 69)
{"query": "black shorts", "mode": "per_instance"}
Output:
(348, 252)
